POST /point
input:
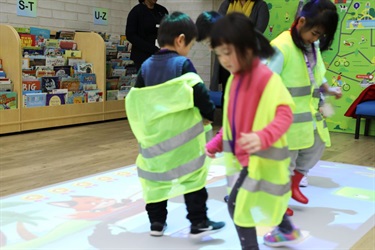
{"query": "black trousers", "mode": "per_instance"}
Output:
(195, 206)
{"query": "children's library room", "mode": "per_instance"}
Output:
(189, 124)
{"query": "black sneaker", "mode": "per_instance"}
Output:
(157, 229)
(205, 228)
(226, 198)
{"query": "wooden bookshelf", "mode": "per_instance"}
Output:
(93, 50)
(11, 54)
(114, 109)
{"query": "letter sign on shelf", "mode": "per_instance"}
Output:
(27, 8)
(100, 16)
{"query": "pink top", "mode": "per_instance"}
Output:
(249, 88)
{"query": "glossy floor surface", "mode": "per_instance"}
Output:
(106, 211)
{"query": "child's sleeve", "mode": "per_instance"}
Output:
(279, 126)
(216, 144)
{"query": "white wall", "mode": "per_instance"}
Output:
(78, 15)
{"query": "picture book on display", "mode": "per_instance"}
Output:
(27, 40)
(76, 97)
(8, 100)
(55, 99)
(31, 84)
(49, 83)
(34, 100)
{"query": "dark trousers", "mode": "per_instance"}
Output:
(195, 206)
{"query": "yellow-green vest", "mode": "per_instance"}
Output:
(171, 137)
(306, 96)
(263, 198)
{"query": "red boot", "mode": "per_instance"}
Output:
(289, 212)
(296, 193)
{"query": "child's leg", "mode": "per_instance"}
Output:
(157, 212)
(247, 235)
(308, 158)
(196, 206)
(197, 214)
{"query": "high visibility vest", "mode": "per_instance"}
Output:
(171, 137)
(306, 96)
(263, 198)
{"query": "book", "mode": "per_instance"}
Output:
(112, 83)
(73, 61)
(34, 100)
(31, 84)
(40, 35)
(94, 96)
(27, 40)
(8, 100)
(68, 45)
(65, 35)
(75, 97)
(73, 53)
(45, 33)
(54, 52)
(22, 30)
(6, 87)
(112, 95)
(52, 43)
(55, 99)
(71, 84)
(128, 80)
(62, 71)
(84, 68)
(49, 83)
(55, 61)
(87, 78)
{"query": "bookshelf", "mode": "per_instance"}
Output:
(22, 119)
(11, 54)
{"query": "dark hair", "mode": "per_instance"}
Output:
(204, 23)
(318, 13)
(141, 1)
(174, 25)
(237, 29)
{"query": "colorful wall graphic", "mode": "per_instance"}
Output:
(351, 60)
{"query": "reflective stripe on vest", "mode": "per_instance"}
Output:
(172, 143)
(302, 117)
(253, 185)
(271, 153)
(173, 173)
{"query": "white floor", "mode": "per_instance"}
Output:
(106, 211)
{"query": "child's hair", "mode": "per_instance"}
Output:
(174, 25)
(238, 30)
(318, 13)
(204, 23)
(232, 1)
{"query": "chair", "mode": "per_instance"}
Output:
(364, 110)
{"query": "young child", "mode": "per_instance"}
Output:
(165, 111)
(299, 62)
(204, 24)
(257, 114)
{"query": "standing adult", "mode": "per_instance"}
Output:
(142, 29)
(257, 11)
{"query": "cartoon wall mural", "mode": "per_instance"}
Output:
(351, 60)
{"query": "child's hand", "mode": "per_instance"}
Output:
(209, 154)
(335, 91)
(250, 142)
(206, 121)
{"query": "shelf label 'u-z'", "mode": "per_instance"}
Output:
(100, 16)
